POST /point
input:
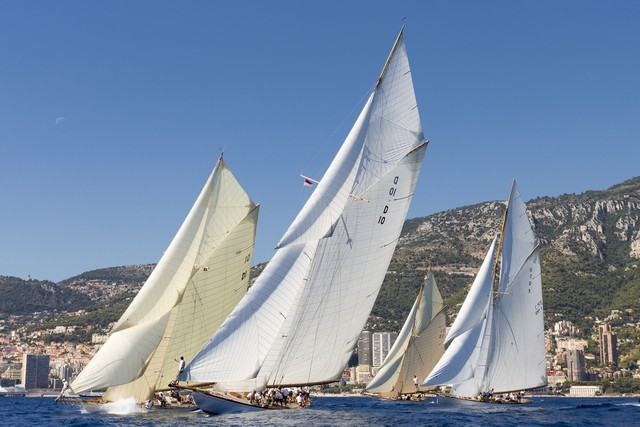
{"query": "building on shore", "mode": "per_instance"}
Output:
(35, 371)
(585, 390)
(381, 344)
(608, 345)
(576, 366)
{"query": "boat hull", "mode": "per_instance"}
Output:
(219, 405)
(494, 400)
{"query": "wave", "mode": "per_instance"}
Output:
(120, 407)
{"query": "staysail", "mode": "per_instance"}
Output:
(200, 278)
(300, 321)
(418, 347)
(497, 344)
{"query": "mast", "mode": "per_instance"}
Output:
(386, 64)
(498, 262)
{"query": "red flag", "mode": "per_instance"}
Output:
(308, 182)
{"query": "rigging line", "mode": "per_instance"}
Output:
(333, 135)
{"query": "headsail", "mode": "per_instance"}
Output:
(197, 282)
(418, 346)
(458, 364)
(300, 321)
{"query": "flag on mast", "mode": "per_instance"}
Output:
(308, 181)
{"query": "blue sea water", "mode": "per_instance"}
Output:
(338, 411)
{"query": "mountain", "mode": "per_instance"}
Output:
(590, 257)
(590, 254)
(22, 297)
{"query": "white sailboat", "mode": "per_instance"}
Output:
(496, 344)
(200, 278)
(418, 347)
(300, 321)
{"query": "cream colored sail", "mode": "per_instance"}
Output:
(203, 274)
(300, 321)
(418, 347)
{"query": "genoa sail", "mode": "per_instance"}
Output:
(300, 321)
(418, 347)
(200, 278)
(497, 344)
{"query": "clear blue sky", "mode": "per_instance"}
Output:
(112, 114)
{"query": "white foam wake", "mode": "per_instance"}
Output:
(120, 407)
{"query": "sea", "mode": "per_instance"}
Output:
(335, 411)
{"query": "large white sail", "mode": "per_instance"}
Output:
(418, 346)
(300, 321)
(459, 362)
(504, 351)
(200, 278)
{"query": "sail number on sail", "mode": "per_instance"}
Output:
(538, 307)
(392, 192)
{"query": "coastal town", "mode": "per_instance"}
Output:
(575, 366)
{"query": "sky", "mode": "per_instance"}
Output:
(112, 114)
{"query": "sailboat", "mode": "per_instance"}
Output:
(496, 344)
(202, 275)
(300, 321)
(418, 347)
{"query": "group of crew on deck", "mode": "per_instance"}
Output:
(514, 397)
(163, 398)
(280, 397)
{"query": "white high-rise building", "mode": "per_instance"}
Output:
(381, 344)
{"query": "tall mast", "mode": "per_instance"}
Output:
(498, 261)
(386, 64)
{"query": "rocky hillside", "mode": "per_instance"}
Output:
(590, 254)
(24, 297)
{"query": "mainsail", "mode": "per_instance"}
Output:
(418, 347)
(300, 321)
(200, 278)
(497, 344)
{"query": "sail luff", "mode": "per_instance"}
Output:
(393, 49)
(334, 189)
(457, 365)
(472, 310)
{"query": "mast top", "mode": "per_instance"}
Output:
(393, 49)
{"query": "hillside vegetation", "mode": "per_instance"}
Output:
(590, 258)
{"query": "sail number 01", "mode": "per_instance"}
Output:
(392, 192)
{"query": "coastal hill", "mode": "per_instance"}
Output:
(590, 254)
(590, 257)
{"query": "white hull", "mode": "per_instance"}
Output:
(223, 405)
(495, 400)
